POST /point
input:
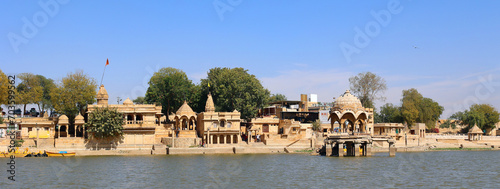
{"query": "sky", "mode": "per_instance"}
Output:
(447, 50)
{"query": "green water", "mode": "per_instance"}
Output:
(455, 169)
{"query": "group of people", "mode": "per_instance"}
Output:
(244, 137)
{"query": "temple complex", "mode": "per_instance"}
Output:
(140, 120)
(346, 128)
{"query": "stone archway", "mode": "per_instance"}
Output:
(192, 123)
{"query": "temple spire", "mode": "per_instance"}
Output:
(210, 107)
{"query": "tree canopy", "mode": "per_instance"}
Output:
(389, 113)
(105, 123)
(235, 88)
(139, 100)
(368, 87)
(34, 89)
(277, 97)
(29, 90)
(47, 85)
(416, 108)
(448, 124)
(4, 92)
(484, 115)
(170, 87)
(73, 94)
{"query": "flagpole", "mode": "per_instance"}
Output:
(103, 75)
(107, 62)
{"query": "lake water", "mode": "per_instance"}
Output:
(462, 169)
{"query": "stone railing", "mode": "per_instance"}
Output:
(138, 122)
(446, 136)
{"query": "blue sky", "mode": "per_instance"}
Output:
(448, 50)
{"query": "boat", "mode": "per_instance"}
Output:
(44, 154)
(16, 153)
(61, 154)
(4, 154)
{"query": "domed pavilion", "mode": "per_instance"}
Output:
(350, 115)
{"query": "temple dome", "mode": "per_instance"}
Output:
(128, 102)
(79, 119)
(184, 109)
(102, 93)
(475, 130)
(102, 96)
(348, 101)
(63, 119)
(210, 107)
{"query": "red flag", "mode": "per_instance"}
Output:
(107, 62)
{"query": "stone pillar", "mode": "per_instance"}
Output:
(392, 149)
(211, 139)
(328, 150)
(134, 116)
(37, 136)
(231, 139)
(368, 149)
(76, 126)
(59, 132)
(356, 149)
(341, 148)
(207, 140)
(249, 137)
(83, 135)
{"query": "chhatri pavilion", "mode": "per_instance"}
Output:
(353, 137)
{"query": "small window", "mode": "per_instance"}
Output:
(215, 124)
(228, 124)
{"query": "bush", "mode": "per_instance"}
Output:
(105, 123)
(18, 143)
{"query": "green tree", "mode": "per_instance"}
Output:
(448, 124)
(170, 87)
(139, 100)
(416, 108)
(389, 113)
(409, 109)
(72, 95)
(48, 85)
(4, 91)
(484, 115)
(368, 87)
(105, 123)
(429, 112)
(29, 91)
(277, 97)
(235, 88)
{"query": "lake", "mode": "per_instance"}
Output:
(462, 169)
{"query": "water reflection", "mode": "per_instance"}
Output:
(410, 170)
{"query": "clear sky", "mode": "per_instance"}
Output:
(447, 50)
